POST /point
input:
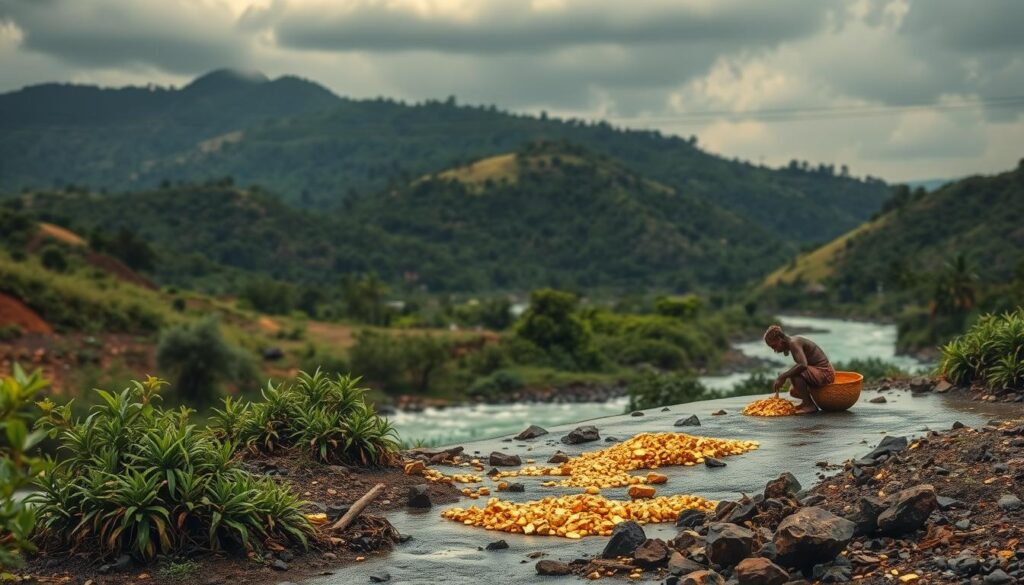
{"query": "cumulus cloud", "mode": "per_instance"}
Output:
(706, 67)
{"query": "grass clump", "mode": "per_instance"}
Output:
(328, 417)
(141, 480)
(990, 353)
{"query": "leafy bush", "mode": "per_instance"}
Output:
(141, 480)
(199, 359)
(632, 350)
(990, 353)
(681, 307)
(496, 384)
(758, 382)
(654, 389)
(53, 258)
(872, 369)
(327, 417)
(551, 323)
(398, 362)
(17, 467)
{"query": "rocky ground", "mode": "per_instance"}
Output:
(945, 508)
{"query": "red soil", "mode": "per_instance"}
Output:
(15, 312)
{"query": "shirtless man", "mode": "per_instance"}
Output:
(811, 371)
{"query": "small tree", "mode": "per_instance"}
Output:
(199, 360)
(551, 324)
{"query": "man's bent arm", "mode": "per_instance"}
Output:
(801, 362)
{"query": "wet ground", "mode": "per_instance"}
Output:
(442, 551)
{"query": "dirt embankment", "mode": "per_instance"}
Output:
(15, 313)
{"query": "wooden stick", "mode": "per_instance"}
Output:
(357, 507)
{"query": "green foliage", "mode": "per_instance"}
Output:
(397, 362)
(127, 246)
(551, 323)
(683, 307)
(199, 360)
(80, 302)
(654, 389)
(873, 369)
(990, 353)
(758, 382)
(138, 479)
(52, 257)
(268, 296)
(364, 298)
(325, 416)
(18, 467)
(496, 385)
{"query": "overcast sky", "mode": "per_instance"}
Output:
(895, 88)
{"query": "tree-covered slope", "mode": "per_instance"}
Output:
(548, 215)
(317, 149)
(980, 218)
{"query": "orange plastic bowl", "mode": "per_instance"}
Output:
(841, 394)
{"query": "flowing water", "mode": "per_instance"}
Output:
(842, 340)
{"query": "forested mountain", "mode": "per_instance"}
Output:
(980, 218)
(550, 214)
(317, 150)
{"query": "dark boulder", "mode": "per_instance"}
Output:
(713, 462)
(690, 421)
(784, 486)
(419, 497)
(908, 510)
(690, 518)
(866, 516)
(878, 400)
(811, 535)
(704, 577)
(728, 544)
(498, 458)
(552, 568)
(652, 553)
(558, 457)
(380, 577)
(531, 432)
(1009, 503)
(758, 571)
(496, 545)
(887, 446)
(584, 434)
(515, 487)
(625, 539)
(680, 565)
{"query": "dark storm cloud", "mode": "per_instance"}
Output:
(974, 26)
(178, 37)
(521, 26)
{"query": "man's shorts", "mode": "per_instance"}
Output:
(816, 376)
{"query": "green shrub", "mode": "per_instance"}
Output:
(653, 389)
(325, 416)
(53, 258)
(199, 360)
(631, 350)
(17, 467)
(873, 369)
(552, 324)
(990, 353)
(681, 307)
(496, 384)
(758, 382)
(399, 362)
(141, 480)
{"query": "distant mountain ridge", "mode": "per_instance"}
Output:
(317, 150)
(549, 214)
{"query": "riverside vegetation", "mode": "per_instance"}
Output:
(135, 478)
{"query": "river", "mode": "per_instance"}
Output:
(842, 340)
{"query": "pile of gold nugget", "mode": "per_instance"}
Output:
(773, 406)
(574, 516)
(610, 467)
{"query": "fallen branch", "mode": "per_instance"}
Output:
(357, 508)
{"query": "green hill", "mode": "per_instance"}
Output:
(545, 215)
(316, 149)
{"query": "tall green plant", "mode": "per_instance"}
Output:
(200, 359)
(18, 467)
(990, 353)
(138, 479)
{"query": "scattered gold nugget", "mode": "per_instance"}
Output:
(770, 407)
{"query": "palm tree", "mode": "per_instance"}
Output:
(955, 288)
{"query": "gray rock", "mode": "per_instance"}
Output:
(719, 413)
(515, 487)
(531, 432)
(584, 434)
(625, 539)
(888, 446)
(920, 385)
(380, 577)
(1009, 503)
(123, 562)
(500, 459)
(909, 510)
(958, 425)
(878, 400)
(728, 544)
(811, 535)
(651, 553)
(636, 413)
(279, 565)
(690, 421)
(713, 462)
(998, 577)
